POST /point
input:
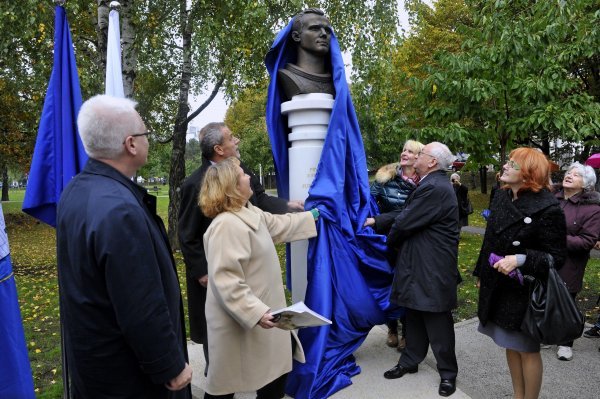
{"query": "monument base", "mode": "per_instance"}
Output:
(308, 118)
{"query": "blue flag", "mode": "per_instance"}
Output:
(15, 372)
(58, 153)
(349, 278)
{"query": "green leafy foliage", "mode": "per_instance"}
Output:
(246, 118)
(388, 107)
(516, 80)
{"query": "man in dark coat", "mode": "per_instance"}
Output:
(217, 143)
(462, 197)
(426, 234)
(121, 306)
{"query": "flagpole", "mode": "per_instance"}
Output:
(114, 73)
(63, 343)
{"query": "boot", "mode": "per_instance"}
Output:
(392, 339)
(401, 344)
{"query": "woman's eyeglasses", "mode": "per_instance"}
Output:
(512, 164)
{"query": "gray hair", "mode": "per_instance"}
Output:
(210, 136)
(104, 122)
(455, 176)
(587, 173)
(442, 153)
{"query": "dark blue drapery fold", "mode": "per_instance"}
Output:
(348, 275)
(58, 153)
(16, 380)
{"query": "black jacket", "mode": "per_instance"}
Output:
(462, 196)
(192, 226)
(390, 192)
(533, 225)
(426, 234)
(120, 299)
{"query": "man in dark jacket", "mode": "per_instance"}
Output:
(426, 234)
(121, 306)
(217, 143)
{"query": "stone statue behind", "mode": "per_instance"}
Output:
(311, 31)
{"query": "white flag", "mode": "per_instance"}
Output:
(114, 77)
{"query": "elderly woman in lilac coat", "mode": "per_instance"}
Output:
(581, 205)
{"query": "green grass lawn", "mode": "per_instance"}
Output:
(34, 262)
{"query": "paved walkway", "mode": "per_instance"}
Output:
(483, 372)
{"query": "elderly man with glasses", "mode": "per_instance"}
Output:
(121, 304)
(426, 234)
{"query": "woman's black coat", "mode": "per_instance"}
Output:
(533, 225)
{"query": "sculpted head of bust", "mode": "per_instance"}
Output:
(311, 31)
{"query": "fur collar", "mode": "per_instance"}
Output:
(386, 173)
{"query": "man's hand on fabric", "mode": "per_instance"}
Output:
(370, 222)
(295, 206)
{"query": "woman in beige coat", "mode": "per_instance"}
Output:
(244, 286)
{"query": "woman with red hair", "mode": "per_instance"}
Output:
(525, 232)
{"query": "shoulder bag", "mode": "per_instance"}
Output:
(552, 316)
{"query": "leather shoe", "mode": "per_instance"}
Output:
(398, 371)
(447, 387)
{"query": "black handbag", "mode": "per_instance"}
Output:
(552, 316)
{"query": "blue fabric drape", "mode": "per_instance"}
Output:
(15, 371)
(348, 275)
(58, 153)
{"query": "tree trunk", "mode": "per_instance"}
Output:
(177, 169)
(4, 170)
(129, 52)
(483, 179)
(102, 33)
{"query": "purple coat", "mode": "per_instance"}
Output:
(582, 214)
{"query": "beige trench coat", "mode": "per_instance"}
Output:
(244, 278)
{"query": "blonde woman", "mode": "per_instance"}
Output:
(244, 286)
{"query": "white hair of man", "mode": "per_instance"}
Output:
(587, 173)
(104, 122)
(442, 153)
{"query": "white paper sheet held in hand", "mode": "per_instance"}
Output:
(297, 316)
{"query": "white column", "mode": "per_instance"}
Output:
(308, 118)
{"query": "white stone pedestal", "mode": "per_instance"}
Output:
(308, 118)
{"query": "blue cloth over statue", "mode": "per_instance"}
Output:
(348, 275)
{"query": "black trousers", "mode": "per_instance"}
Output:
(273, 390)
(570, 343)
(435, 329)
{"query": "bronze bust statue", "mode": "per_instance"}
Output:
(311, 31)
